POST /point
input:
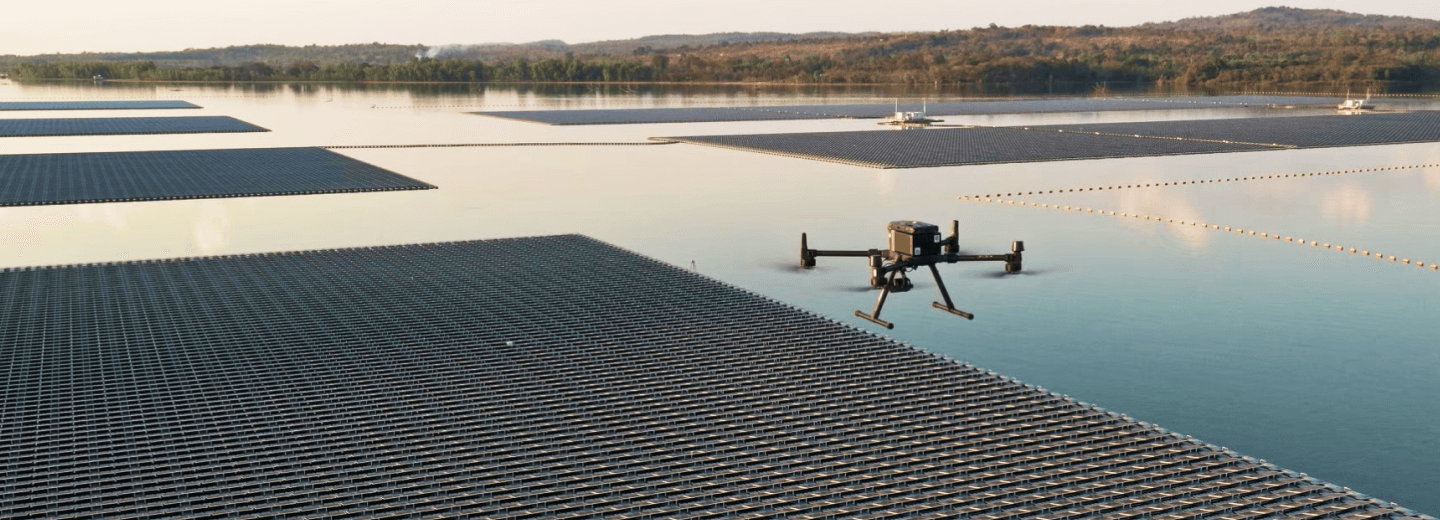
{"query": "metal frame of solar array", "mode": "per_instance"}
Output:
(94, 105)
(554, 377)
(79, 178)
(124, 126)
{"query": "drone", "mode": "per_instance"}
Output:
(913, 244)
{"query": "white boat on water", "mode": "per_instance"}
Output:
(909, 118)
(1356, 105)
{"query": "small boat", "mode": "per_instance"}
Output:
(904, 119)
(1356, 105)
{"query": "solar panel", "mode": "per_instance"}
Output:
(124, 126)
(951, 147)
(1302, 131)
(135, 176)
(534, 378)
(877, 110)
(94, 105)
(623, 116)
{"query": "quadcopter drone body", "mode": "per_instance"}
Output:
(913, 245)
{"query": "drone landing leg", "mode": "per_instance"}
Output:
(949, 306)
(880, 302)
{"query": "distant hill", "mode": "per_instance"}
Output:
(1291, 18)
(371, 53)
(631, 47)
(1264, 47)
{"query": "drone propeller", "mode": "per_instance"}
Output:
(793, 268)
(1001, 275)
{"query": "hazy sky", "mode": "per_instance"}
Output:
(46, 26)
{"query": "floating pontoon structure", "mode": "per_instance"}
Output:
(990, 145)
(94, 105)
(551, 377)
(124, 126)
(879, 110)
(77, 178)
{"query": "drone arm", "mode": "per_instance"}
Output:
(1013, 260)
(808, 256)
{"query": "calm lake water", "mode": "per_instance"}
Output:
(1317, 360)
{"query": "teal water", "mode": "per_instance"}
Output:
(1317, 360)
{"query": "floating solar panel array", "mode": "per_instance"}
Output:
(94, 105)
(553, 377)
(124, 126)
(954, 147)
(135, 176)
(877, 110)
(987, 145)
(646, 115)
(1303, 131)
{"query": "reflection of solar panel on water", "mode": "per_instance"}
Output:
(533, 378)
(135, 176)
(124, 126)
(987, 145)
(94, 105)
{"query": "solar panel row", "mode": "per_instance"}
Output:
(134, 176)
(1303, 131)
(987, 145)
(533, 377)
(124, 126)
(94, 105)
(876, 110)
(952, 147)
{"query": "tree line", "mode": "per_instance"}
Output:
(995, 55)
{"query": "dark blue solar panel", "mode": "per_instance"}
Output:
(124, 126)
(550, 377)
(1303, 131)
(951, 147)
(93, 105)
(647, 115)
(135, 176)
(876, 110)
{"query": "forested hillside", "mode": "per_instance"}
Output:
(1271, 46)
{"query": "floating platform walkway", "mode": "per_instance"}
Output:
(992, 145)
(124, 126)
(879, 110)
(94, 105)
(550, 377)
(77, 178)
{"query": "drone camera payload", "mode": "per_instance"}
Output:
(913, 244)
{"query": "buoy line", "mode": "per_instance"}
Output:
(1327, 94)
(1196, 181)
(561, 104)
(1160, 137)
(472, 145)
(1213, 227)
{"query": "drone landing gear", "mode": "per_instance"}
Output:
(880, 302)
(903, 284)
(949, 306)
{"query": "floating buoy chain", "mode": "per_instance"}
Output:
(1196, 181)
(1214, 227)
(1327, 94)
(1159, 137)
